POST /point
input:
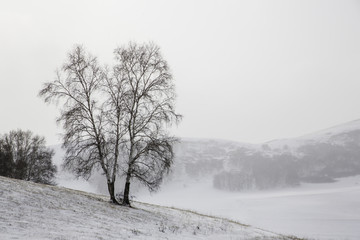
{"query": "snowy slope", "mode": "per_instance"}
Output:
(34, 211)
(326, 134)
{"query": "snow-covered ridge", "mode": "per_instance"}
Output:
(288, 143)
(35, 211)
(320, 136)
(325, 134)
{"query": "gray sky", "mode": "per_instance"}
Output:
(248, 71)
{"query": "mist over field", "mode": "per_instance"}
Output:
(307, 186)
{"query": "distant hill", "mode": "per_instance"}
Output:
(34, 211)
(318, 157)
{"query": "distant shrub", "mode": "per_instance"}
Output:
(24, 156)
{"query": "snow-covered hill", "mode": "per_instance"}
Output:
(323, 136)
(318, 157)
(35, 211)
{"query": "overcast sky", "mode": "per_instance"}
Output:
(249, 71)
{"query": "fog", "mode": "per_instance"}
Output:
(248, 71)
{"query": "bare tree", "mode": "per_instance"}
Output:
(92, 126)
(149, 102)
(117, 113)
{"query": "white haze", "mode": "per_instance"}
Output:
(245, 70)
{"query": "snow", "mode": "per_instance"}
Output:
(316, 137)
(316, 211)
(324, 135)
(34, 211)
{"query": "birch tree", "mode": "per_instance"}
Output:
(116, 118)
(92, 128)
(149, 102)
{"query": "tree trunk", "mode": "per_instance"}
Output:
(111, 188)
(126, 200)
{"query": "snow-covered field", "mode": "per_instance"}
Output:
(33, 211)
(316, 211)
